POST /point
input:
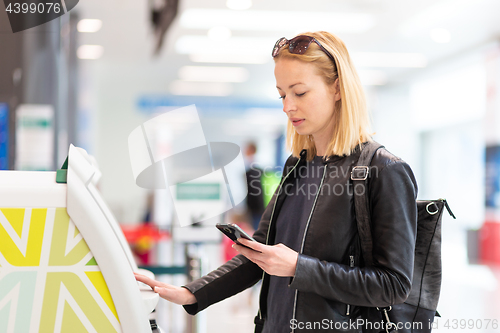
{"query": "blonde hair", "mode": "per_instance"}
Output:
(352, 121)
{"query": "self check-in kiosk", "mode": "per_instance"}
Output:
(65, 265)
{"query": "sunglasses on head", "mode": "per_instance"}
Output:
(298, 45)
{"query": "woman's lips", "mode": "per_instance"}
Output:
(297, 122)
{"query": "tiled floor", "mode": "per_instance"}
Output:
(470, 296)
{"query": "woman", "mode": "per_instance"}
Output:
(307, 250)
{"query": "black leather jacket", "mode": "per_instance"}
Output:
(330, 281)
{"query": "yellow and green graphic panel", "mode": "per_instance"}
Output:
(49, 279)
(21, 235)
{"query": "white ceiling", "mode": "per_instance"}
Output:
(398, 26)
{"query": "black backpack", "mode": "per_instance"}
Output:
(417, 313)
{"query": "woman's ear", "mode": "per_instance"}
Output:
(336, 90)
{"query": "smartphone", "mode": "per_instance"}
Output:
(233, 231)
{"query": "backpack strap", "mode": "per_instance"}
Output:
(359, 174)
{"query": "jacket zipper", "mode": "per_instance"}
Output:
(304, 237)
(271, 220)
(351, 264)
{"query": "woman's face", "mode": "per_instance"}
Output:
(307, 100)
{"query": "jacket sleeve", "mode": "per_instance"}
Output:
(393, 195)
(235, 275)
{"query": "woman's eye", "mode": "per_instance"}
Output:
(282, 97)
(301, 94)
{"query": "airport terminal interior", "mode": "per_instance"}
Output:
(104, 106)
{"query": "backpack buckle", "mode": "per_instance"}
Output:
(389, 325)
(359, 172)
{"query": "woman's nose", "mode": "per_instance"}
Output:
(289, 105)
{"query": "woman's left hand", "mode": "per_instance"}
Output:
(278, 260)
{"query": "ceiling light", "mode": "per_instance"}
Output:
(244, 46)
(239, 4)
(440, 35)
(213, 74)
(90, 51)
(435, 14)
(219, 33)
(372, 77)
(261, 20)
(201, 88)
(89, 25)
(229, 58)
(379, 59)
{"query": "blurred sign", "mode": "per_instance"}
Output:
(204, 104)
(198, 191)
(4, 136)
(492, 174)
(34, 137)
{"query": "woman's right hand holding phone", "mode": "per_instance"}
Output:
(177, 295)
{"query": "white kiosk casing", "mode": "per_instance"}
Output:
(64, 262)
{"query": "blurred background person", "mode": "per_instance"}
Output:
(255, 197)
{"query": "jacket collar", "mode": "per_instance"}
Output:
(334, 158)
